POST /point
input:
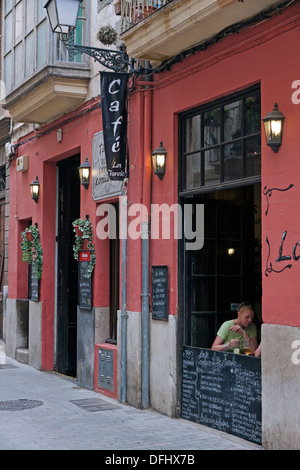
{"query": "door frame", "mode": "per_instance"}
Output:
(62, 356)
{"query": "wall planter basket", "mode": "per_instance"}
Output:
(29, 236)
(84, 241)
(31, 249)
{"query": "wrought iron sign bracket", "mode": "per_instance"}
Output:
(118, 61)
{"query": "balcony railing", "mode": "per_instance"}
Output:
(134, 11)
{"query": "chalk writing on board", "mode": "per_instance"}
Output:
(34, 283)
(223, 391)
(160, 285)
(84, 286)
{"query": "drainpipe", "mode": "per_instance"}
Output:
(124, 296)
(145, 240)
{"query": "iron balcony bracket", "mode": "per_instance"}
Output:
(114, 60)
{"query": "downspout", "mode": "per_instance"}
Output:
(145, 239)
(124, 296)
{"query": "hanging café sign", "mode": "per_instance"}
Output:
(114, 117)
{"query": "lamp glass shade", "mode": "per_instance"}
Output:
(273, 125)
(84, 174)
(63, 15)
(159, 161)
(35, 189)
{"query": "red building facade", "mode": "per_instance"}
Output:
(207, 111)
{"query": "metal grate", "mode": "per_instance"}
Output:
(94, 404)
(18, 405)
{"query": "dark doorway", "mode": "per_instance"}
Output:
(220, 167)
(67, 266)
(114, 284)
(227, 270)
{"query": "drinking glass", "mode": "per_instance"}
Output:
(247, 349)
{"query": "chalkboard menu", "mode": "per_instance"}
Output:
(160, 284)
(84, 283)
(33, 283)
(222, 391)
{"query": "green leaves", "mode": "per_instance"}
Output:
(31, 249)
(84, 232)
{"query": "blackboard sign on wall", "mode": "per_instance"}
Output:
(33, 283)
(222, 391)
(160, 298)
(84, 283)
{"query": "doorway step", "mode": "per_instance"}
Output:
(22, 355)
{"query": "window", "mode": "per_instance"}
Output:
(219, 167)
(77, 37)
(25, 40)
(221, 142)
(2, 178)
(26, 30)
(226, 271)
(102, 3)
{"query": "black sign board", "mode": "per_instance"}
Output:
(222, 391)
(114, 118)
(33, 284)
(84, 283)
(160, 290)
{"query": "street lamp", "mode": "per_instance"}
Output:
(35, 189)
(84, 174)
(159, 156)
(273, 124)
(63, 16)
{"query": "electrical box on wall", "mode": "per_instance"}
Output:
(22, 163)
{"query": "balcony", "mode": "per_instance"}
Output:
(47, 95)
(156, 30)
(42, 79)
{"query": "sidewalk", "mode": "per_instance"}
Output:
(45, 411)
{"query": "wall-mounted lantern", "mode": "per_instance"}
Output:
(273, 124)
(35, 189)
(84, 174)
(159, 156)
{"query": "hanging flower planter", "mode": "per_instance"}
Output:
(84, 241)
(107, 35)
(32, 249)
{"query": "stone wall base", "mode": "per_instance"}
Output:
(280, 387)
(162, 363)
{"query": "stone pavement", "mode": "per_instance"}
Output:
(46, 411)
